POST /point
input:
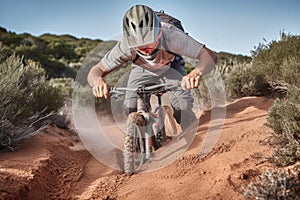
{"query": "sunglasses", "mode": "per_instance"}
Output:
(149, 48)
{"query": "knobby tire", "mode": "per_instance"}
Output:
(134, 148)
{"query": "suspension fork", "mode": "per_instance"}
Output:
(150, 142)
(159, 125)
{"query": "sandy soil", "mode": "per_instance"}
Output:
(55, 165)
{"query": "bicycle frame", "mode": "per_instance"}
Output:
(154, 133)
(157, 118)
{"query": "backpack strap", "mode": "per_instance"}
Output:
(163, 17)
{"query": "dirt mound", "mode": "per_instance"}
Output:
(55, 165)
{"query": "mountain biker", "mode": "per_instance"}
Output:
(154, 47)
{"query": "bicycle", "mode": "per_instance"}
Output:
(145, 129)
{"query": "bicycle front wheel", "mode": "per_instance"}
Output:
(134, 143)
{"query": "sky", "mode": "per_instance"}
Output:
(234, 26)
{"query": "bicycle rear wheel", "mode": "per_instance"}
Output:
(134, 143)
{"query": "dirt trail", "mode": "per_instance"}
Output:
(55, 165)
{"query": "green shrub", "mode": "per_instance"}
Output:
(245, 81)
(284, 118)
(62, 50)
(294, 94)
(275, 69)
(27, 100)
(291, 72)
(276, 56)
(286, 155)
(53, 52)
(66, 85)
(275, 184)
(278, 60)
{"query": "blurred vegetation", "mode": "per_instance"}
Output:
(275, 184)
(213, 84)
(66, 85)
(275, 67)
(28, 101)
(279, 60)
(60, 56)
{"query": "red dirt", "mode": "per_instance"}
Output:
(55, 165)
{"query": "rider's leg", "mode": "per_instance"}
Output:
(138, 76)
(181, 101)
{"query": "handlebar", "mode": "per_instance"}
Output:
(141, 90)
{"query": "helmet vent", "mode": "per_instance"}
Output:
(141, 24)
(133, 26)
(147, 18)
(127, 22)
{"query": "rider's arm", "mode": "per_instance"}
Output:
(116, 57)
(183, 44)
(95, 79)
(97, 71)
(207, 61)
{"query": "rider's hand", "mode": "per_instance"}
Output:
(101, 88)
(191, 80)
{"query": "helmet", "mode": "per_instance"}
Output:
(141, 26)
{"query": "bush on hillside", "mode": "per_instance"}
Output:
(284, 118)
(278, 60)
(287, 154)
(277, 63)
(27, 99)
(245, 81)
(275, 184)
(275, 68)
(293, 94)
(55, 53)
(66, 85)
